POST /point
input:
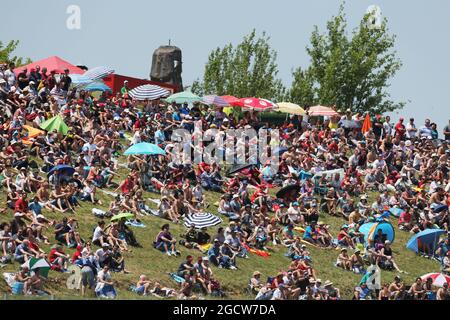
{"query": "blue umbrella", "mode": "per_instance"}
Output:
(427, 237)
(144, 148)
(97, 86)
(63, 169)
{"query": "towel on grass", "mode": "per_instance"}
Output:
(260, 253)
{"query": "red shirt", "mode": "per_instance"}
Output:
(400, 129)
(126, 186)
(52, 256)
(21, 205)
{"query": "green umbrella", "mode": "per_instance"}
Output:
(182, 97)
(41, 264)
(124, 215)
(55, 123)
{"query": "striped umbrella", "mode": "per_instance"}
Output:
(215, 100)
(79, 80)
(183, 97)
(438, 278)
(37, 263)
(148, 92)
(257, 104)
(322, 111)
(200, 220)
(98, 73)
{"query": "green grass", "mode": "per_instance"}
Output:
(155, 265)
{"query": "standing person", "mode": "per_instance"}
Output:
(411, 129)
(22, 79)
(378, 127)
(387, 127)
(124, 89)
(88, 272)
(400, 129)
(425, 131)
(65, 81)
(447, 131)
(10, 76)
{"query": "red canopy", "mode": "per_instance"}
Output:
(255, 104)
(53, 63)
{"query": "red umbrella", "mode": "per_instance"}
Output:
(232, 101)
(256, 104)
(438, 278)
(322, 111)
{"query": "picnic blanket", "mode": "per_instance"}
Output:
(109, 193)
(205, 247)
(260, 253)
(16, 286)
(176, 277)
(136, 224)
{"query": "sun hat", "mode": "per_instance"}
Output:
(256, 273)
(328, 283)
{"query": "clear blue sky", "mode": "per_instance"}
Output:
(124, 34)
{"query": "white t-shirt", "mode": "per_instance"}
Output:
(410, 134)
(10, 77)
(97, 233)
(387, 129)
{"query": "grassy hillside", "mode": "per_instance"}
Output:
(155, 265)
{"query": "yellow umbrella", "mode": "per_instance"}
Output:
(291, 108)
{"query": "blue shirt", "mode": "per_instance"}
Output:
(308, 233)
(35, 207)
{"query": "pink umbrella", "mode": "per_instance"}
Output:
(438, 278)
(215, 100)
(257, 104)
(322, 111)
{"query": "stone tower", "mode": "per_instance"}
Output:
(166, 66)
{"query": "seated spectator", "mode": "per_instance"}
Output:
(58, 259)
(165, 242)
(343, 260)
(105, 284)
(142, 286)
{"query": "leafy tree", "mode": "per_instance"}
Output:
(247, 70)
(349, 72)
(7, 51)
(302, 90)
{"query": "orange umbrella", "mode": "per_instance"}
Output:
(32, 133)
(367, 125)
